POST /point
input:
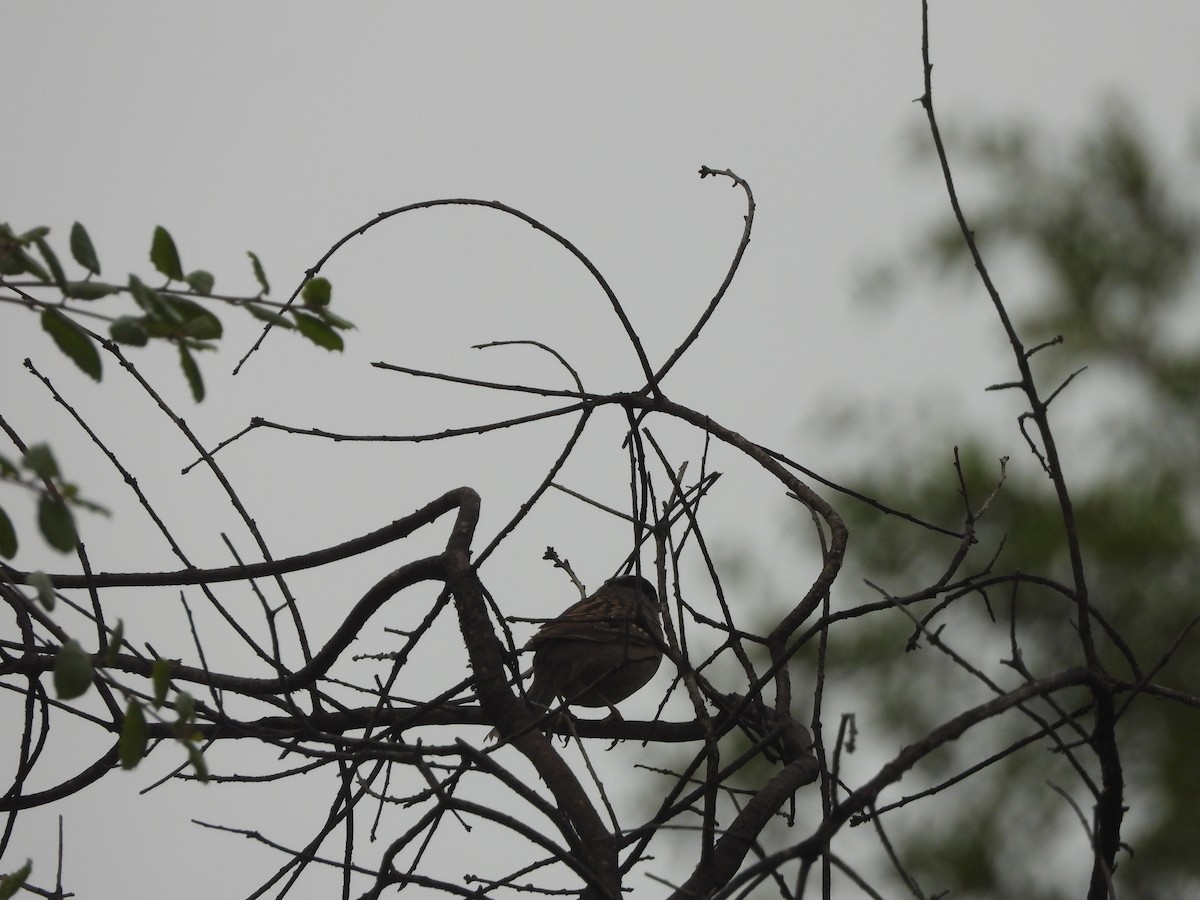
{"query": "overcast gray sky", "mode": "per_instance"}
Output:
(280, 127)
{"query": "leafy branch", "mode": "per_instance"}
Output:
(179, 311)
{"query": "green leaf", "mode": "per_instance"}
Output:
(73, 341)
(39, 459)
(72, 671)
(114, 642)
(81, 503)
(7, 469)
(200, 281)
(45, 589)
(191, 371)
(33, 235)
(8, 536)
(186, 309)
(82, 249)
(185, 709)
(317, 331)
(129, 330)
(132, 745)
(196, 758)
(267, 315)
(12, 257)
(205, 328)
(193, 344)
(8, 244)
(88, 290)
(57, 524)
(14, 881)
(335, 320)
(160, 676)
(151, 301)
(259, 275)
(31, 265)
(51, 258)
(198, 321)
(164, 256)
(317, 292)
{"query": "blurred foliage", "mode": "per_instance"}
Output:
(181, 312)
(1105, 231)
(38, 474)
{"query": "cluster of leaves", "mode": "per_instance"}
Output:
(73, 667)
(74, 672)
(38, 473)
(179, 311)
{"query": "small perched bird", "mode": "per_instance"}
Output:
(602, 649)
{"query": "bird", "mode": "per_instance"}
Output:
(600, 650)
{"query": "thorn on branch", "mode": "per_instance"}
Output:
(1021, 419)
(1057, 339)
(1058, 390)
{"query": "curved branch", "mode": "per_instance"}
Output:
(488, 204)
(90, 775)
(705, 171)
(428, 569)
(400, 528)
(891, 772)
(518, 725)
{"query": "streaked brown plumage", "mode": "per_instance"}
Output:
(600, 650)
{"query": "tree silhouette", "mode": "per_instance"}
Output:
(406, 758)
